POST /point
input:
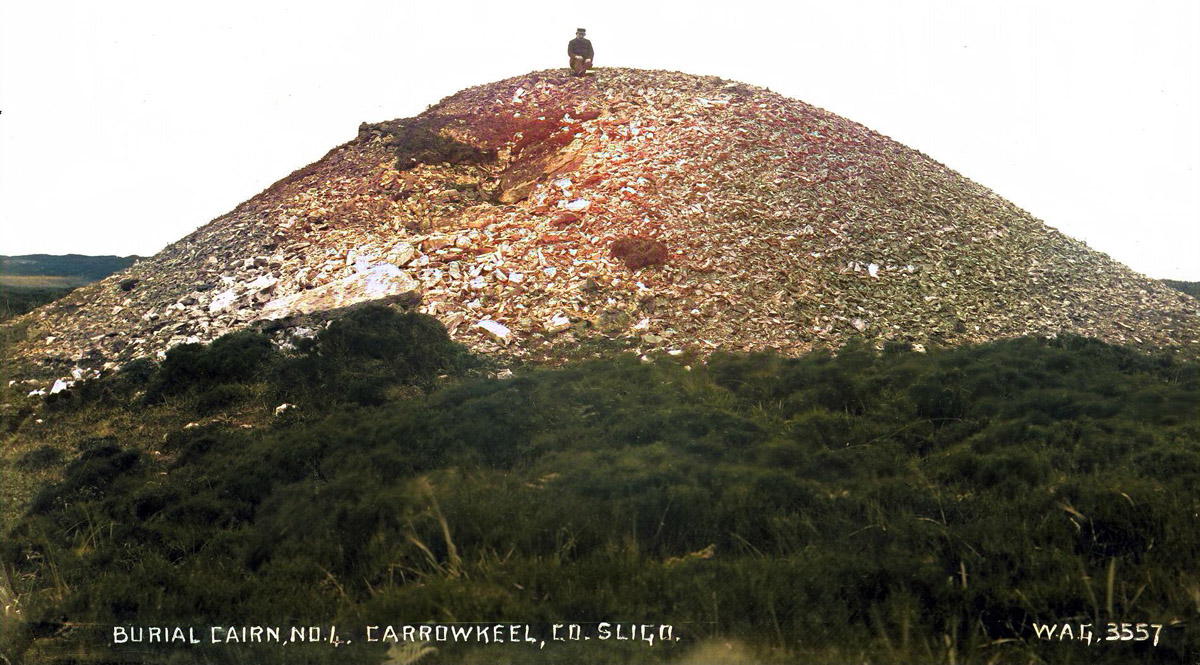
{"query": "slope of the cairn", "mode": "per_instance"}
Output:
(784, 226)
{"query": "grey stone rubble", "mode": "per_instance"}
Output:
(787, 227)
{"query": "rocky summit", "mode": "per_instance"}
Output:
(678, 211)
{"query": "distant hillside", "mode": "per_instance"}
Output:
(32, 280)
(1190, 288)
(59, 270)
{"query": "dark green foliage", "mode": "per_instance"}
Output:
(86, 268)
(1190, 288)
(359, 357)
(138, 376)
(91, 476)
(39, 458)
(137, 372)
(852, 503)
(16, 301)
(233, 358)
(219, 397)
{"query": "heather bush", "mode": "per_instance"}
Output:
(238, 357)
(822, 504)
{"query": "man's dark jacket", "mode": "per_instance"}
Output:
(580, 46)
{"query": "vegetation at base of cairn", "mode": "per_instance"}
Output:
(890, 506)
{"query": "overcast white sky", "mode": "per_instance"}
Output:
(125, 125)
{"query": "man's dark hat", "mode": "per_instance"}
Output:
(580, 30)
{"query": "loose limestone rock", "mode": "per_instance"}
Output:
(774, 225)
(382, 283)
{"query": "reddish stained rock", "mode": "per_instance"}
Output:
(774, 248)
(639, 252)
(564, 219)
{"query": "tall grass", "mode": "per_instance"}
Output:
(893, 507)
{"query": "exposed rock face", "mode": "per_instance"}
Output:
(780, 225)
(382, 282)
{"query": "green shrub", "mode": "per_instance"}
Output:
(90, 476)
(373, 348)
(40, 458)
(811, 505)
(233, 358)
(219, 397)
(138, 372)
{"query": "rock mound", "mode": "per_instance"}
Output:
(762, 222)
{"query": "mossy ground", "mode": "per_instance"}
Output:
(870, 506)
